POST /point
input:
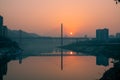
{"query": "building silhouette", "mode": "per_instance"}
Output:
(3, 29)
(117, 35)
(102, 34)
(1, 21)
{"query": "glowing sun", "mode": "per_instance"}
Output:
(71, 33)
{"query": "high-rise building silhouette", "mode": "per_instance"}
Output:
(1, 21)
(3, 29)
(117, 35)
(102, 34)
(1, 24)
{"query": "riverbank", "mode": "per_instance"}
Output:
(113, 73)
(109, 49)
(8, 47)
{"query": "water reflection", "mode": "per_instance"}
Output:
(3, 67)
(4, 60)
(62, 59)
(102, 60)
(48, 68)
(75, 67)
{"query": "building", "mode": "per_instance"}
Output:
(112, 36)
(117, 35)
(1, 20)
(102, 34)
(3, 29)
(1, 24)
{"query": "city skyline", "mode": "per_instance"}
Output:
(45, 16)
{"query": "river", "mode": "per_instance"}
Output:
(48, 68)
(32, 66)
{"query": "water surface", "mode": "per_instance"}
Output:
(48, 68)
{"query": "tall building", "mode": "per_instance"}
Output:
(102, 34)
(3, 29)
(1, 21)
(1, 24)
(117, 35)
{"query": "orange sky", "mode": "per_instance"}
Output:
(45, 16)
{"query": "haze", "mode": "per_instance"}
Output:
(44, 17)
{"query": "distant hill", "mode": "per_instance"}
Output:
(16, 34)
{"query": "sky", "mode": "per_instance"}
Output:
(79, 17)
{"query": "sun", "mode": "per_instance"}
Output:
(71, 33)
